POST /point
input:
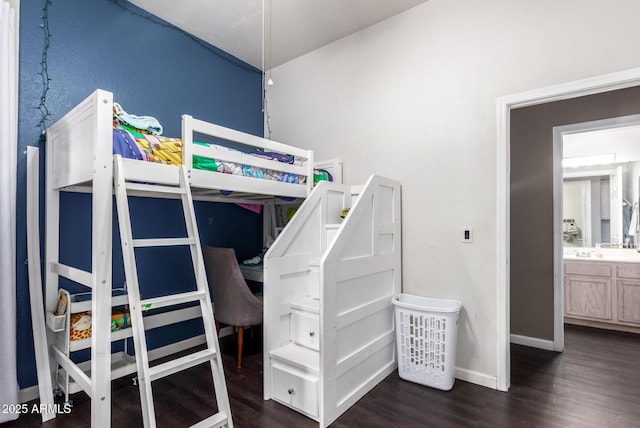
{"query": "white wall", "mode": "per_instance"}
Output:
(414, 98)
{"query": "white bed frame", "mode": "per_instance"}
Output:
(79, 158)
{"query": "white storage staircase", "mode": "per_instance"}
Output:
(328, 323)
(137, 305)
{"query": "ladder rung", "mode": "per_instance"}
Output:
(155, 188)
(80, 276)
(215, 421)
(163, 242)
(179, 364)
(174, 299)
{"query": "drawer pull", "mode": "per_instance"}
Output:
(290, 391)
(312, 333)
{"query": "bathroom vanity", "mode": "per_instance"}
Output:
(603, 292)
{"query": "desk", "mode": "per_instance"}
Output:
(253, 272)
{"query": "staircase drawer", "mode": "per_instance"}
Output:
(305, 329)
(295, 389)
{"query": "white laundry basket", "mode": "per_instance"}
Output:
(426, 335)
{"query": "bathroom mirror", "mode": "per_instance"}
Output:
(601, 176)
(592, 207)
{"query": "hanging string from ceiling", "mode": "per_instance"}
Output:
(265, 108)
(264, 94)
(270, 81)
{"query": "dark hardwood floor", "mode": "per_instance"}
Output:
(594, 383)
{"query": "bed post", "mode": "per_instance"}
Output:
(52, 247)
(310, 173)
(40, 332)
(187, 142)
(101, 261)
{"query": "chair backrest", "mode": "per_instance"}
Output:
(233, 302)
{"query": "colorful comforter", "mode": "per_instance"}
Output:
(165, 150)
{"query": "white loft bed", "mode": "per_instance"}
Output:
(79, 158)
(82, 139)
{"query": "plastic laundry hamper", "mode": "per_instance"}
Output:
(426, 335)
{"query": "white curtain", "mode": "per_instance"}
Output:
(8, 164)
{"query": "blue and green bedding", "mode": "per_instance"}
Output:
(132, 144)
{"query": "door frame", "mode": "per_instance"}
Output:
(564, 91)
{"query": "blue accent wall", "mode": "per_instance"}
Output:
(152, 69)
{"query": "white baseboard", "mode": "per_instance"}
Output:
(532, 342)
(225, 331)
(29, 393)
(32, 392)
(481, 379)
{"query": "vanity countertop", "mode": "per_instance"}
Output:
(607, 255)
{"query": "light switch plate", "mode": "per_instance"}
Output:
(467, 235)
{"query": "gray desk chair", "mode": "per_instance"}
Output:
(233, 302)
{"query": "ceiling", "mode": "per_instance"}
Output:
(297, 26)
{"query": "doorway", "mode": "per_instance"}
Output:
(569, 92)
(598, 192)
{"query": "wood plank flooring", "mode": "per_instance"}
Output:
(594, 383)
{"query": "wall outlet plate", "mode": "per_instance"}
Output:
(467, 235)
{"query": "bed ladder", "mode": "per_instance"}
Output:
(137, 305)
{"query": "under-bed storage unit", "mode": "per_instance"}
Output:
(80, 159)
(73, 333)
(328, 318)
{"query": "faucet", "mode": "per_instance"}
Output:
(608, 245)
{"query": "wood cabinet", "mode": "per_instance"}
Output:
(628, 289)
(629, 301)
(588, 297)
(602, 292)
